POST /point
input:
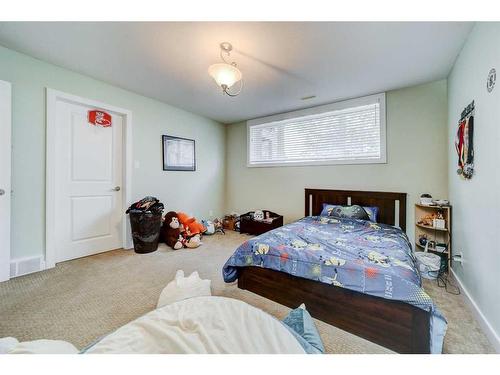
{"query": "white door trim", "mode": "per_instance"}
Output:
(5, 170)
(50, 200)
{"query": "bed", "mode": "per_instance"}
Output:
(357, 275)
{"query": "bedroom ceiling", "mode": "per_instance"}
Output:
(281, 62)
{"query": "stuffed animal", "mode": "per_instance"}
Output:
(192, 242)
(170, 231)
(191, 236)
(191, 226)
(197, 228)
(209, 225)
(427, 220)
(218, 225)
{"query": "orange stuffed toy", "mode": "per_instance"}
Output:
(191, 226)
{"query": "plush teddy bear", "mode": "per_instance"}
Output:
(171, 232)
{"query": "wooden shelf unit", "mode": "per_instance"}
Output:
(434, 234)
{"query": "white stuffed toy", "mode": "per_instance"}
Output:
(183, 288)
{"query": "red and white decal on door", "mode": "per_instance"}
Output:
(99, 118)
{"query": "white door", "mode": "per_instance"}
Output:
(5, 156)
(88, 189)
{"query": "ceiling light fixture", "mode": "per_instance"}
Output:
(226, 74)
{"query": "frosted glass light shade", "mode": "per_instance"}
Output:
(224, 74)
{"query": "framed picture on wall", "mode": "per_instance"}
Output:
(178, 154)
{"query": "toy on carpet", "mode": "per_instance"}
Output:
(172, 236)
(219, 227)
(191, 226)
(209, 225)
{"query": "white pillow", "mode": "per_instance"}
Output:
(183, 288)
(44, 347)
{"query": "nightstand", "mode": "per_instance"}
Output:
(251, 226)
(435, 235)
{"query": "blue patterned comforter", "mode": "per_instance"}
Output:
(367, 257)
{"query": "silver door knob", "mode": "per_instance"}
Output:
(116, 188)
(2, 191)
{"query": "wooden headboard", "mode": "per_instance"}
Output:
(392, 206)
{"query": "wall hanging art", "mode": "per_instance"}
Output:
(464, 143)
(178, 154)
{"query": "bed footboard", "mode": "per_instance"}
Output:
(395, 325)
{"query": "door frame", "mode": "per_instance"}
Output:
(5, 255)
(50, 197)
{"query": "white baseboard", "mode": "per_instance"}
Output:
(26, 265)
(483, 322)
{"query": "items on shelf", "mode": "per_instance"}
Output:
(433, 220)
(441, 202)
(439, 223)
(441, 247)
(422, 239)
(427, 220)
(426, 199)
(264, 216)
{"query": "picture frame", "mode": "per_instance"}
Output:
(179, 154)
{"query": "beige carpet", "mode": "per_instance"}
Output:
(81, 300)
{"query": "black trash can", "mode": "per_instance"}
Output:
(145, 230)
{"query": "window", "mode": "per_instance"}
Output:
(348, 132)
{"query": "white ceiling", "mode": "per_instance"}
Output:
(280, 62)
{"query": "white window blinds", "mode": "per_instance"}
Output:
(347, 132)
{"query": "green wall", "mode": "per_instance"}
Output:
(194, 192)
(416, 161)
(476, 202)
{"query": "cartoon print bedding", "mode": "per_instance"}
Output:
(367, 257)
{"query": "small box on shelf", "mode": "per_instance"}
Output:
(439, 223)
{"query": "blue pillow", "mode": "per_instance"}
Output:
(372, 212)
(301, 325)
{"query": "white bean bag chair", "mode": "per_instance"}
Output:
(202, 325)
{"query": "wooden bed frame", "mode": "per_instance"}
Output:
(396, 325)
